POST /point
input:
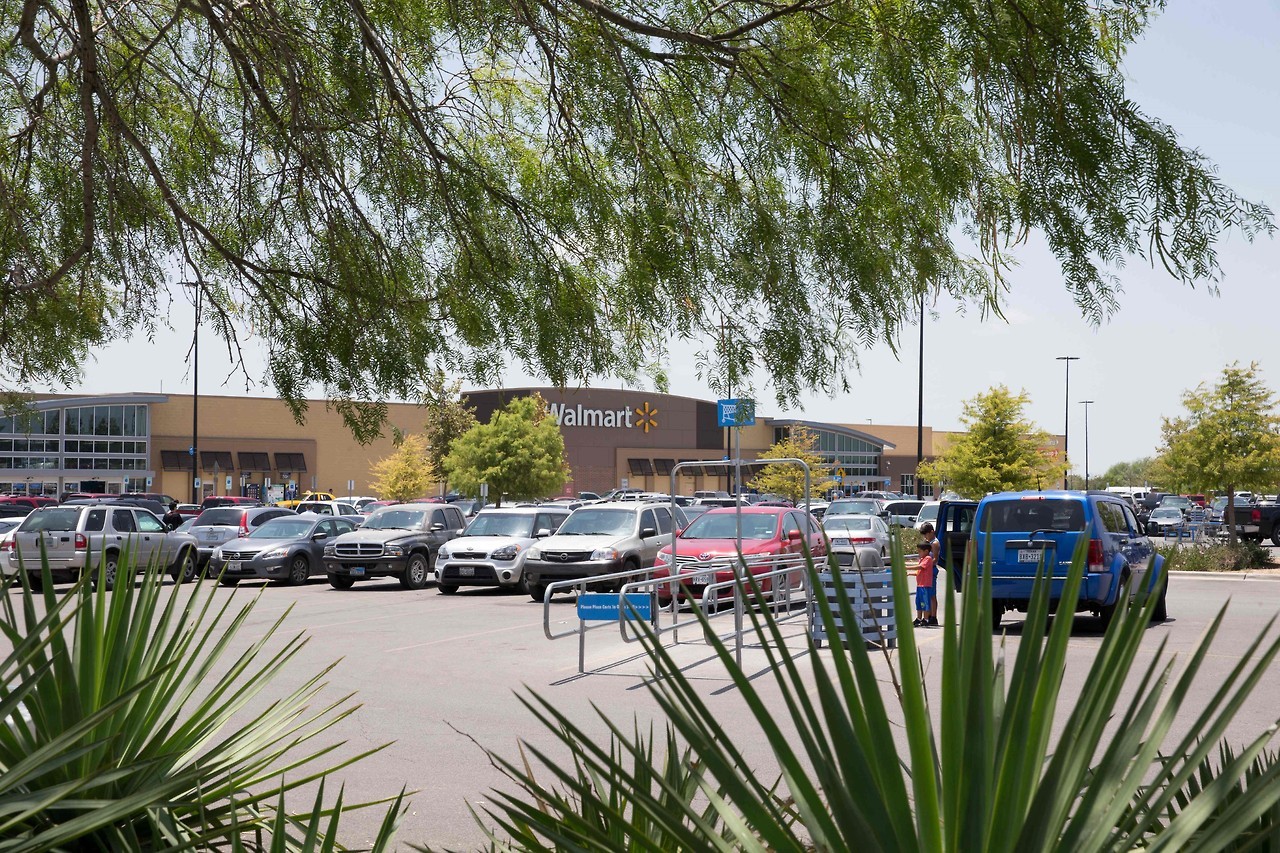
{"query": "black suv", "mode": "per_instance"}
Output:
(400, 541)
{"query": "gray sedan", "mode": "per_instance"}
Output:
(288, 548)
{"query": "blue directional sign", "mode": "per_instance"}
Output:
(736, 412)
(603, 606)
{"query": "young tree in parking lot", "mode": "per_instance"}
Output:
(1135, 473)
(1001, 450)
(1229, 438)
(405, 474)
(381, 189)
(447, 418)
(519, 453)
(788, 479)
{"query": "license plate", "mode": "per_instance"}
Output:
(467, 571)
(358, 571)
(703, 578)
(211, 535)
(1029, 556)
(233, 566)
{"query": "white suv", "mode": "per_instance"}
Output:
(492, 551)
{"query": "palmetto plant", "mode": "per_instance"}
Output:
(989, 778)
(119, 729)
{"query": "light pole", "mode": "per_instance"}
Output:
(920, 407)
(1086, 404)
(1066, 417)
(195, 393)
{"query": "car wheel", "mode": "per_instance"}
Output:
(341, 581)
(1275, 535)
(299, 570)
(415, 572)
(537, 591)
(184, 570)
(35, 582)
(997, 616)
(1108, 612)
(447, 588)
(1161, 611)
(110, 566)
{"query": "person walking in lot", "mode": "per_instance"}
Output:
(924, 586)
(935, 548)
(172, 519)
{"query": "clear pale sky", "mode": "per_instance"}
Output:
(1205, 68)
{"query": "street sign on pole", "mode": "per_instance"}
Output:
(736, 412)
(484, 490)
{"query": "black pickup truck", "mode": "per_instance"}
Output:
(1258, 522)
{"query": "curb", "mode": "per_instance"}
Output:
(1227, 576)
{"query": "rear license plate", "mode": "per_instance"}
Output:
(1029, 556)
(466, 571)
(356, 570)
(211, 535)
(233, 566)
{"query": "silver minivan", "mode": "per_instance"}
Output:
(77, 537)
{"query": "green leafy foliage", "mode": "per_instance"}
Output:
(1218, 556)
(1228, 440)
(447, 417)
(519, 453)
(787, 479)
(120, 731)
(381, 190)
(406, 473)
(1001, 451)
(1136, 473)
(1118, 775)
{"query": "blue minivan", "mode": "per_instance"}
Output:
(1014, 531)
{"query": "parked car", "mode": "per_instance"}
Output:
(358, 501)
(928, 514)
(492, 551)
(28, 502)
(903, 513)
(706, 552)
(855, 506)
(327, 508)
(400, 541)
(308, 496)
(859, 530)
(1018, 530)
(1182, 502)
(221, 524)
(80, 537)
(1165, 520)
(373, 506)
(710, 493)
(879, 496)
(287, 548)
(228, 500)
(601, 539)
(189, 510)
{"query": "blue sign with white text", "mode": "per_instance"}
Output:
(736, 412)
(603, 606)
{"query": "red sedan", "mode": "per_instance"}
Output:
(707, 549)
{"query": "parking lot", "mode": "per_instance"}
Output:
(439, 677)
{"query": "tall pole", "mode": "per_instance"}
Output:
(1066, 417)
(195, 394)
(1086, 404)
(920, 409)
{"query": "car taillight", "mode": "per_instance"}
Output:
(244, 524)
(1095, 556)
(6, 545)
(1256, 516)
(82, 542)
(862, 540)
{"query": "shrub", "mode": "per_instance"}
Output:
(119, 705)
(989, 779)
(1217, 556)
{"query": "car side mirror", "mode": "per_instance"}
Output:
(542, 534)
(679, 530)
(436, 528)
(647, 532)
(318, 536)
(794, 535)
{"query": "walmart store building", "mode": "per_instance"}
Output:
(246, 445)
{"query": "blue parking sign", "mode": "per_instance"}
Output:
(736, 412)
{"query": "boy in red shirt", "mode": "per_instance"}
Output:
(924, 585)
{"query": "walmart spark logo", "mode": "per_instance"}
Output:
(648, 417)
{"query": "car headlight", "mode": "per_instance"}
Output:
(663, 559)
(605, 554)
(506, 552)
(443, 553)
(274, 553)
(534, 554)
(328, 550)
(217, 553)
(394, 550)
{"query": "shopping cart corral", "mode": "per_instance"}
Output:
(668, 604)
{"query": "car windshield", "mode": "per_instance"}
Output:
(228, 516)
(62, 518)
(284, 528)
(1028, 516)
(849, 523)
(390, 519)
(724, 525)
(929, 512)
(859, 507)
(501, 524)
(1167, 512)
(599, 522)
